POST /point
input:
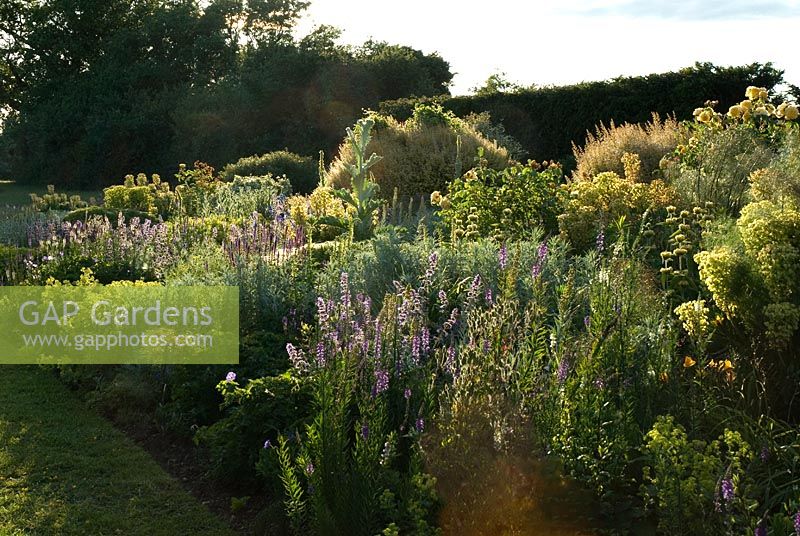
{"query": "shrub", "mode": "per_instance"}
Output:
(140, 195)
(693, 485)
(254, 411)
(244, 196)
(596, 206)
(56, 201)
(496, 132)
(301, 171)
(754, 279)
(314, 210)
(505, 204)
(85, 214)
(718, 153)
(605, 148)
(419, 155)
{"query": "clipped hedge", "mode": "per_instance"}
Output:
(302, 171)
(546, 121)
(84, 214)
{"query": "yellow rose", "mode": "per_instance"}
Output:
(735, 111)
(790, 113)
(705, 116)
(746, 104)
(782, 108)
(445, 203)
(762, 94)
(760, 110)
(436, 197)
(698, 111)
(752, 92)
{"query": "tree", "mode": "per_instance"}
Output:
(496, 83)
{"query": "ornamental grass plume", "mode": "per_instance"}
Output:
(604, 149)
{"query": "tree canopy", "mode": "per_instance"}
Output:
(96, 89)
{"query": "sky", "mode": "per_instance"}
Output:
(567, 41)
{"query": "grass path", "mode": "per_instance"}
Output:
(64, 470)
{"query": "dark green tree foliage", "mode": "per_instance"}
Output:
(300, 96)
(546, 121)
(97, 89)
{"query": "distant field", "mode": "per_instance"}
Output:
(12, 193)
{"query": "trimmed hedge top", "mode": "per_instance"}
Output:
(546, 121)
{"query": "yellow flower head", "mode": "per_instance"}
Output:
(754, 92)
(704, 116)
(746, 104)
(726, 365)
(791, 113)
(735, 111)
(698, 111)
(436, 197)
(760, 110)
(445, 203)
(688, 362)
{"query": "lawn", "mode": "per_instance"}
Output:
(12, 193)
(64, 470)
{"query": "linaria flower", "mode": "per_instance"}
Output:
(727, 489)
(381, 382)
(563, 370)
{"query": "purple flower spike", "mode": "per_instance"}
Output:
(407, 393)
(563, 370)
(503, 257)
(761, 530)
(420, 425)
(365, 431)
(321, 354)
(797, 523)
(727, 489)
(381, 382)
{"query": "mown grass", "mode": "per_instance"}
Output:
(64, 470)
(15, 194)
